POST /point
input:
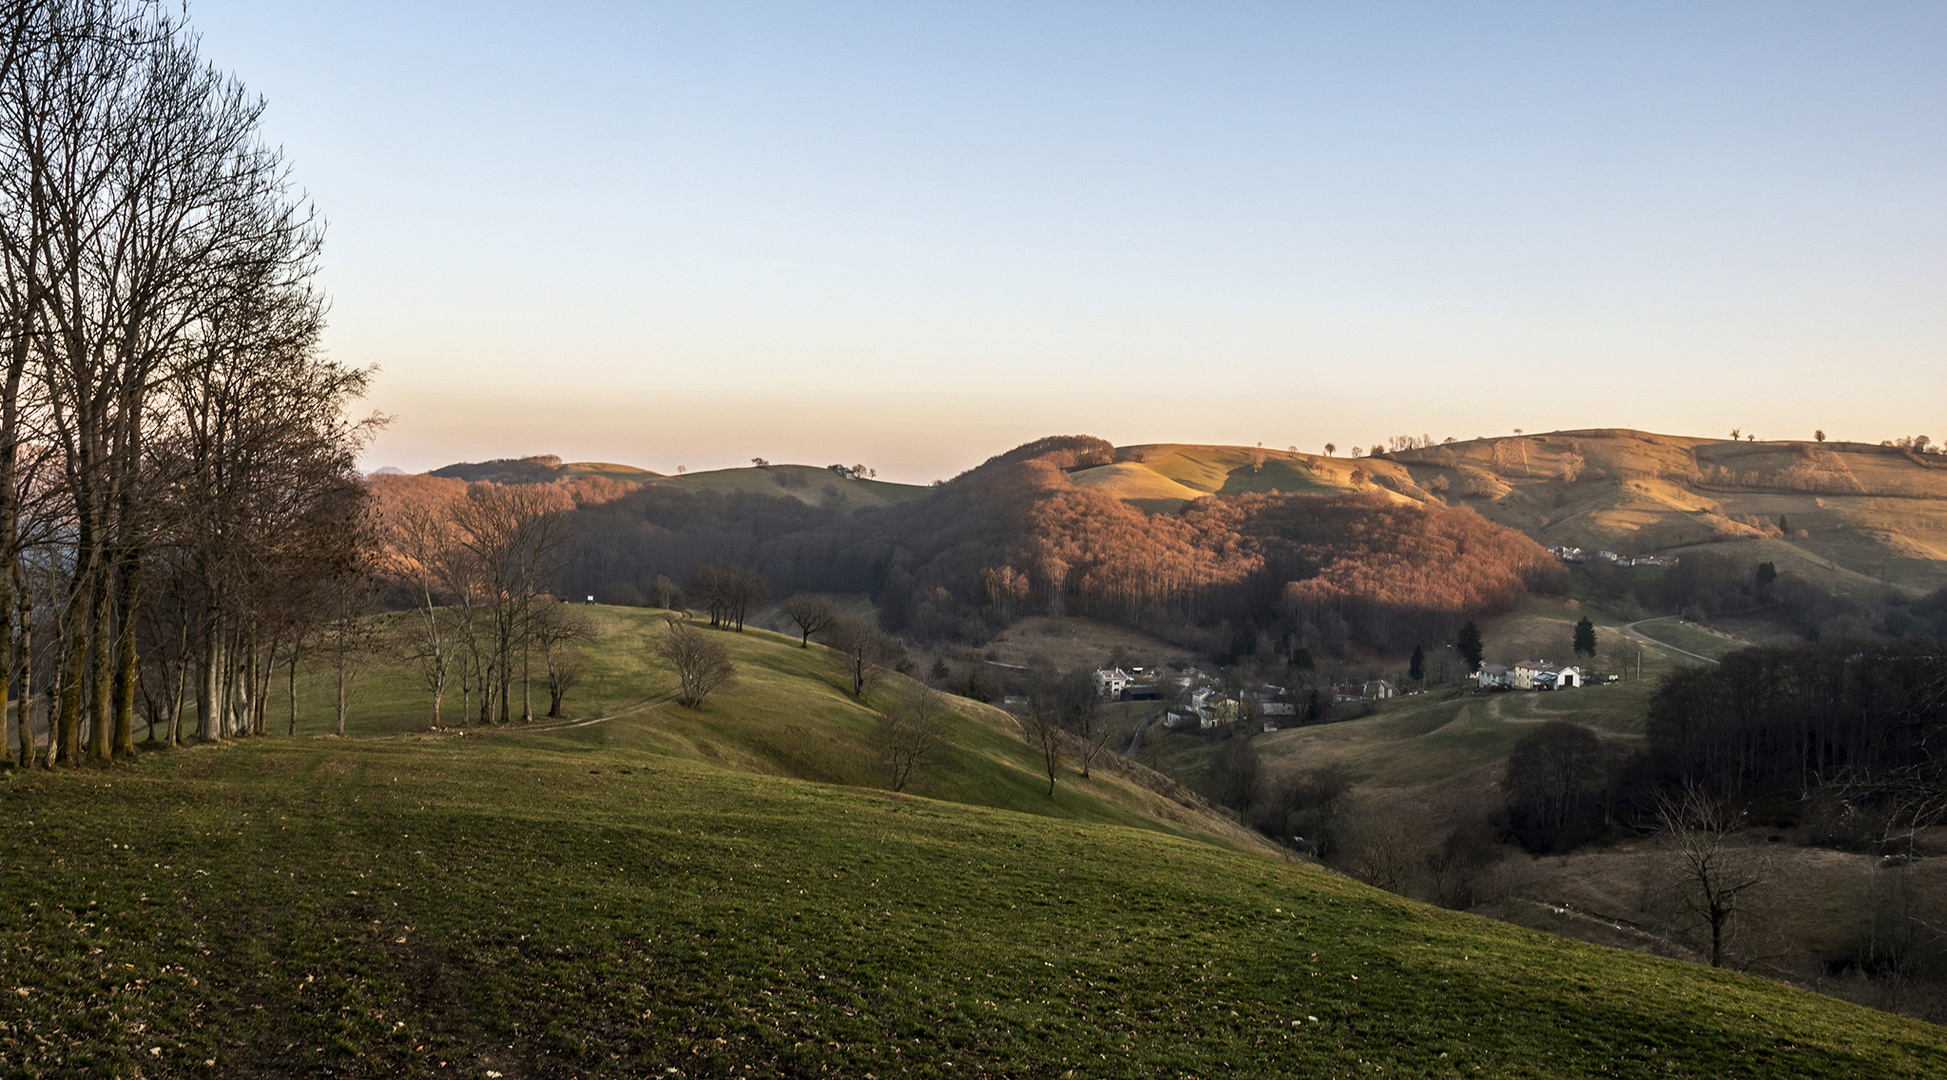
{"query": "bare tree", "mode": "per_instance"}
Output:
(518, 538)
(1712, 877)
(863, 654)
(909, 731)
(1381, 847)
(1081, 715)
(812, 614)
(151, 252)
(350, 639)
(558, 627)
(665, 593)
(1042, 725)
(700, 662)
(416, 536)
(730, 590)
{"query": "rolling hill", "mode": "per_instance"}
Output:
(1858, 517)
(805, 483)
(1861, 517)
(724, 893)
(1200, 543)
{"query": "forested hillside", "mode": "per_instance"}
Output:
(1238, 574)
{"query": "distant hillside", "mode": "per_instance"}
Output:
(805, 483)
(1858, 515)
(541, 469)
(1167, 536)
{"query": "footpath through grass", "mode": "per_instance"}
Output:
(514, 905)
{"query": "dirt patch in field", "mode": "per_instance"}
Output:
(1071, 642)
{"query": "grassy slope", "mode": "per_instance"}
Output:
(1881, 519)
(785, 715)
(1878, 515)
(805, 483)
(533, 905)
(1447, 748)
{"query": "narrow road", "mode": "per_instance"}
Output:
(1136, 743)
(1630, 630)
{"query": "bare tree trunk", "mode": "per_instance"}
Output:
(74, 665)
(101, 670)
(342, 662)
(26, 603)
(290, 685)
(208, 700)
(246, 682)
(527, 660)
(176, 696)
(128, 580)
(266, 666)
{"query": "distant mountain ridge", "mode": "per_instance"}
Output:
(1857, 519)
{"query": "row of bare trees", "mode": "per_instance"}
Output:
(177, 493)
(477, 563)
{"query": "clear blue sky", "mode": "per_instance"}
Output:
(914, 234)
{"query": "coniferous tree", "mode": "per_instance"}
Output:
(1585, 638)
(1469, 645)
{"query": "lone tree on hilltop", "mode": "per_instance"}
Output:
(1819, 435)
(700, 663)
(1469, 645)
(812, 614)
(1585, 638)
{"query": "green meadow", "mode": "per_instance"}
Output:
(731, 892)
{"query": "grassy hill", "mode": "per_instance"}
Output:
(1860, 517)
(609, 900)
(786, 714)
(806, 483)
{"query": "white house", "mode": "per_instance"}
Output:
(1491, 675)
(1110, 682)
(1542, 675)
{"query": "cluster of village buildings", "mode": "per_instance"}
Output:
(1577, 555)
(1529, 675)
(1207, 706)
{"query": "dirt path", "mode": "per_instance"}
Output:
(640, 706)
(1630, 630)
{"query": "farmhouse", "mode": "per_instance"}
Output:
(1370, 690)
(1110, 683)
(1494, 675)
(1542, 675)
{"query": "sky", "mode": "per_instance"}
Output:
(914, 235)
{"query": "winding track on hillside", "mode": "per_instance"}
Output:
(1630, 630)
